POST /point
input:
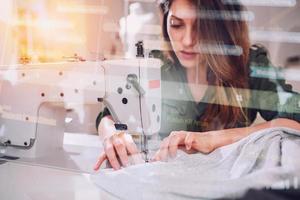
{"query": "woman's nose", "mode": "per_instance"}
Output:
(189, 37)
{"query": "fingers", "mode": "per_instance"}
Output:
(204, 143)
(162, 153)
(117, 150)
(170, 145)
(136, 157)
(199, 142)
(188, 141)
(176, 138)
(121, 145)
(120, 148)
(101, 159)
(111, 155)
(130, 145)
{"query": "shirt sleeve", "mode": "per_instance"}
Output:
(102, 114)
(270, 95)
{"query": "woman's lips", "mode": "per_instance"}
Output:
(187, 55)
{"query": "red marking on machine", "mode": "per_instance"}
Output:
(154, 84)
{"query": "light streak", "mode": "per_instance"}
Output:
(268, 3)
(275, 36)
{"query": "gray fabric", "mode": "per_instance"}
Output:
(267, 158)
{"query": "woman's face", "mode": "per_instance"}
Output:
(182, 31)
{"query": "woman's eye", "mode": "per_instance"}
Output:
(175, 24)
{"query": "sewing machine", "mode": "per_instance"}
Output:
(34, 99)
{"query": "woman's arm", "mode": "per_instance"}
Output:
(229, 136)
(206, 142)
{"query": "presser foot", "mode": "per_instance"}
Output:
(146, 155)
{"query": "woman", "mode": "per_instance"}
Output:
(209, 97)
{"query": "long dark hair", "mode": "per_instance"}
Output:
(220, 25)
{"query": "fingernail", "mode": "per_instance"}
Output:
(95, 167)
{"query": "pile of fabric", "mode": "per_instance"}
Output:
(266, 159)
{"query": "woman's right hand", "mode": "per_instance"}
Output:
(118, 146)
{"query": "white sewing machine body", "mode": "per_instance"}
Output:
(34, 99)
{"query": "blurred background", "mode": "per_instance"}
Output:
(42, 31)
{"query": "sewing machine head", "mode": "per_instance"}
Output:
(34, 99)
(137, 89)
(135, 100)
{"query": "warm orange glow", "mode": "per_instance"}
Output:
(43, 23)
(45, 34)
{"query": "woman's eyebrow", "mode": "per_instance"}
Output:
(173, 16)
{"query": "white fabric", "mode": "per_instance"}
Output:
(267, 158)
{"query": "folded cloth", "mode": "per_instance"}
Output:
(268, 158)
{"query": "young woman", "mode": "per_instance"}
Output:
(210, 97)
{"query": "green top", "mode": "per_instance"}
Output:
(269, 96)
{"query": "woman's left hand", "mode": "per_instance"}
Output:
(191, 142)
(206, 142)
